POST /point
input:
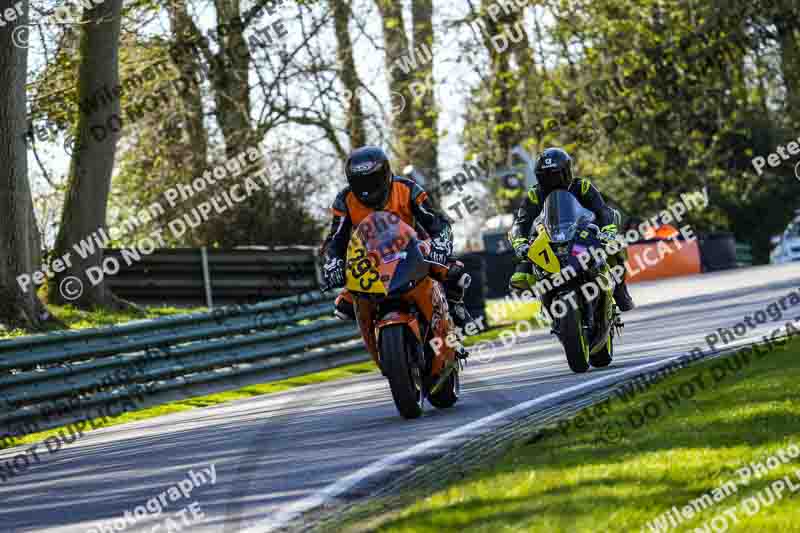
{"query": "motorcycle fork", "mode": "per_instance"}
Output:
(589, 322)
(366, 312)
(618, 324)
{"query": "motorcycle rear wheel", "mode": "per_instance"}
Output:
(575, 345)
(400, 368)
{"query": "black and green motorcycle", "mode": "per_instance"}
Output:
(575, 286)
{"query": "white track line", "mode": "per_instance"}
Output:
(321, 497)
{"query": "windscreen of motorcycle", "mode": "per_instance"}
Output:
(561, 214)
(383, 255)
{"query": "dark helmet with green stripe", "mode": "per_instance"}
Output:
(554, 169)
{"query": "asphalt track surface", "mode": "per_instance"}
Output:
(279, 455)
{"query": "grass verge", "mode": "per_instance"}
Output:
(508, 315)
(620, 468)
(74, 318)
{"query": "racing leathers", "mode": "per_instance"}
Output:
(411, 203)
(523, 232)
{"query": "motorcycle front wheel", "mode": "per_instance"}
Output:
(400, 368)
(572, 338)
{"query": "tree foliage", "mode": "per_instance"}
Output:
(660, 97)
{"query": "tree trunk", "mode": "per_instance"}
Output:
(400, 77)
(20, 253)
(184, 32)
(83, 220)
(789, 36)
(425, 150)
(528, 87)
(348, 73)
(503, 37)
(229, 74)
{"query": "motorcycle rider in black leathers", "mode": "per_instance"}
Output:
(373, 187)
(554, 171)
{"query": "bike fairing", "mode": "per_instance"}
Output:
(585, 317)
(524, 229)
(408, 202)
(582, 189)
(398, 306)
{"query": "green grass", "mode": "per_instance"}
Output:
(74, 318)
(579, 482)
(506, 315)
(216, 399)
(10, 334)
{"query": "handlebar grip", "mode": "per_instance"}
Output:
(325, 287)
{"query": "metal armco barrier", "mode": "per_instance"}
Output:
(195, 276)
(744, 254)
(47, 380)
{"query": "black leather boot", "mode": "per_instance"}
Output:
(623, 297)
(459, 312)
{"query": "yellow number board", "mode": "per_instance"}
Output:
(542, 254)
(362, 276)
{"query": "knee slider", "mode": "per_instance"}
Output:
(519, 280)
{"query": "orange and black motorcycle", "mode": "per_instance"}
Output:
(401, 307)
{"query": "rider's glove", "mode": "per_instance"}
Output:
(440, 252)
(608, 233)
(333, 272)
(521, 247)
